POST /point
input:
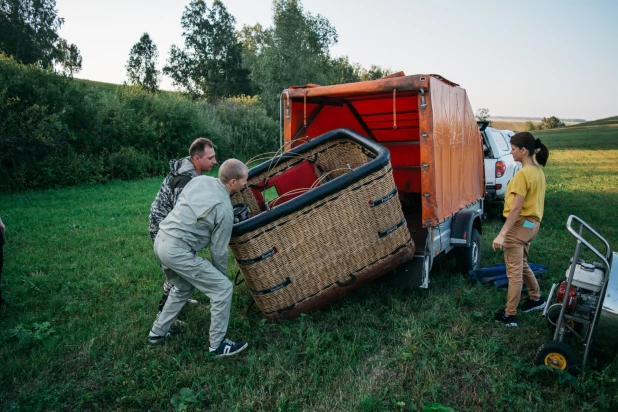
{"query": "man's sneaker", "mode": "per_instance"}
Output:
(529, 305)
(507, 320)
(229, 348)
(153, 338)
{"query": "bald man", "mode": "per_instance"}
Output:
(203, 217)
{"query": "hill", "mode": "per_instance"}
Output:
(107, 87)
(599, 134)
(504, 123)
(533, 119)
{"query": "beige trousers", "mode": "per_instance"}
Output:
(187, 271)
(516, 245)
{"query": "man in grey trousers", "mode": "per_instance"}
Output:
(203, 217)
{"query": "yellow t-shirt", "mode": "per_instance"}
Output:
(528, 182)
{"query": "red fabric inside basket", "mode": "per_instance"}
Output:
(300, 176)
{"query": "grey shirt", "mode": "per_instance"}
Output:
(203, 216)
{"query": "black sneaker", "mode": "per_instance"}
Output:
(229, 348)
(153, 338)
(507, 320)
(529, 305)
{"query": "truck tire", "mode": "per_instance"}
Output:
(469, 258)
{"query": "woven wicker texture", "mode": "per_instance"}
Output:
(331, 159)
(327, 244)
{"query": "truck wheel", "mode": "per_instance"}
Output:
(469, 258)
(558, 356)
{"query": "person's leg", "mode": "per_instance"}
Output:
(178, 296)
(201, 274)
(167, 287)
(534, 291)
(214, 284)
(513, 258)
(170, 257)
(516, 245)
(153, 229)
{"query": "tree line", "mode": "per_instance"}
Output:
(216, 61)
(29, 34)
(56, 131)
(482, 115)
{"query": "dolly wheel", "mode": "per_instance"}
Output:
(558, 356)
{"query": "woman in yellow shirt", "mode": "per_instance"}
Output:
(523, 208)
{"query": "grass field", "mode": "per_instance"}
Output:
(107, 87)
(83, 287)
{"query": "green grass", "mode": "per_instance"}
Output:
(83, 286)
(106, 87)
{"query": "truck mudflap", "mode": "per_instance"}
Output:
(462, 225)
(412, 274)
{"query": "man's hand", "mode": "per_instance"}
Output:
(2, 228)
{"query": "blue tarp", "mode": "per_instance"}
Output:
(496, 275)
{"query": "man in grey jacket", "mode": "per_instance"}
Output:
(203, 217)
(201, 159)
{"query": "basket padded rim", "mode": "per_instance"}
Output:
(321, 192)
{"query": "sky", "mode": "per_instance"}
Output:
(524, 58)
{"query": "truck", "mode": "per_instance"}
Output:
(428, 126)
(500, 166)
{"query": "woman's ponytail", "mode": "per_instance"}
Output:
(541, 152)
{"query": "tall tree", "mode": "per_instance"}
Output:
(530, 126)
(210, 64)
(482, 114)
(375, 72)
(29, 30)
(142, 65)
(69, 57)
(341, 70)
(295, 50)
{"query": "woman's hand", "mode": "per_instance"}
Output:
(2, 228)
(498, 242)
(518, 204)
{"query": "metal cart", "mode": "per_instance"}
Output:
(585, 305)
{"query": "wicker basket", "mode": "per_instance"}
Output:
(336, 224)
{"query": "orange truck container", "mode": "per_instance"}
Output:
(427, 124)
